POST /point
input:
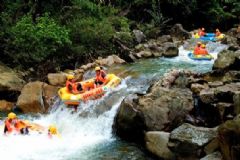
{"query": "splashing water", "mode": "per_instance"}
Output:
(84, 132)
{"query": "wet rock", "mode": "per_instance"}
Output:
(10, 80)
(33, 97)
(164, 109)
(180, 33)
(57, 79)
(214, 156)
(227, 60)
(49, 94)
(139, 36)
(129, 122)
(156, 143)
(170, 50)
(229, 139)
(188, 140)
(6, 106)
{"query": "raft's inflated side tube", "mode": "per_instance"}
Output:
(208, 38)
(210, 35)
(90, 93)
(200, 57)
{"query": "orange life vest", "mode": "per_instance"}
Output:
(196, 50)
(218, 33)
(203, 51)
(101, 77)
(201, 33)
(74, 87)
(9, 126)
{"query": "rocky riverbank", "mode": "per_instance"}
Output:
(186, 115)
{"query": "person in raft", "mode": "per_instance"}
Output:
(203, 50)
(52, 131)
(72, 86)
(101, 76)
(218, 33)
(13, 124)
(201, 32)
(197, 48)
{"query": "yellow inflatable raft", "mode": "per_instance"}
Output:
(89, 92)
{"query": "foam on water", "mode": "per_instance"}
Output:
(81, 133)
(77, 134)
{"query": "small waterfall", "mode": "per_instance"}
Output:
(78, 131)
(90, 128)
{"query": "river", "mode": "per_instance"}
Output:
(87, 134)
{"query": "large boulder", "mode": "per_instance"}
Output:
(10, 80)
(165, 109)
(139, 36)
(223, 93)
(180, 33)
(35, 97)
(129, 122)
(145, 54)
(228, 60)
(229, 139)
(57, 79)
(170, 50)
(6, 106)
(188, 140)
(156, 143)
(109, 61)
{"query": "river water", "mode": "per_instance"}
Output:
(87, 134)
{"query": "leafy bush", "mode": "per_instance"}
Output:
(34, 42)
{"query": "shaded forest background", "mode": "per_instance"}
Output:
(58, 34)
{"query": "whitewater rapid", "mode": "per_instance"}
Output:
(91, 128)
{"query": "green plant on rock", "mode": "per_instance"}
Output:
(34, 42)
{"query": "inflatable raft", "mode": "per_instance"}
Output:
(200, 57)
(89, 92)
(211, 37)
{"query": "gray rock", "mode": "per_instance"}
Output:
(145, 54)
(9, 79)
(35, 96)
(227, 60)
(163, 107)
(170, 50)
(156, 143)
(128, 123)
(139, 35)
(180, 33)
(188, 139)
(57, 79)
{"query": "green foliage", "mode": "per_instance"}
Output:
(34, 42)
